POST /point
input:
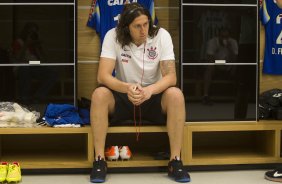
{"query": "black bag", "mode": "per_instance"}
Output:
(270, 104)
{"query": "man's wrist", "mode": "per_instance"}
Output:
(126, 87)
(151, 89)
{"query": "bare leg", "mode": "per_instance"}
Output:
(102, 103)
(174, 106)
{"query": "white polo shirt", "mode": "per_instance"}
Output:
(129, 60)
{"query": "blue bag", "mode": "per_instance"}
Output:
(56, 114)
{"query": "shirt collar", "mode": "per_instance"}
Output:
(148, 41)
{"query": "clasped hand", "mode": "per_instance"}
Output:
(137, 94)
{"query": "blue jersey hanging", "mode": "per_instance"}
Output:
(104, 14)
(271, 18)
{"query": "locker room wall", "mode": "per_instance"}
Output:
(167, 12)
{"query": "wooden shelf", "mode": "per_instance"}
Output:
(37, 160)
(215, 143)
(209, 143)
(45, 130)
(48, 147)
(143, 151)
(85, 129)
(139, 160)
(231, 156)
(132, 129)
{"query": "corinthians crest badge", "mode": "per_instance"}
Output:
(152, 53)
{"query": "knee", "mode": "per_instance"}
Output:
(101, 94)
(174, 95)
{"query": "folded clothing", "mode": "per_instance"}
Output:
(61, 114)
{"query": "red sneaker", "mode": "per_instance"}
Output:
(125, 153)
(112, 153)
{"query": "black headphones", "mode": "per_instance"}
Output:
(134, 10)
(129, 13)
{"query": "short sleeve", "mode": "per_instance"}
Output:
(109, 45)
(167, 52)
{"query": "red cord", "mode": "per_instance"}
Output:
(135, 124)
(139, 107)
(143, 65)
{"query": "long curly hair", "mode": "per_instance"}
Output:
(129, 13)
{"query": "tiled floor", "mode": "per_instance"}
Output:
(211, 177)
